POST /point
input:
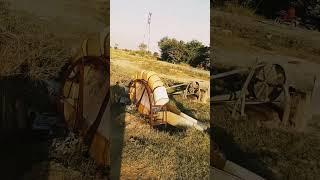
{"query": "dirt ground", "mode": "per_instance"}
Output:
(238, 41)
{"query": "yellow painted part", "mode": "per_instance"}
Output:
(142, 109)
(147, 74)
(151, 77)
(100, 150)
(176, 120)
(131, 94)
(73, 91)
(94, 45)
(140, 76)
(69, 111)
(154, 82)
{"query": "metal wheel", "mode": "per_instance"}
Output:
(277, 20)
(267, 82)
(193, 88)
(85, 93)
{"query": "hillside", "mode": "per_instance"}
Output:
(166, 152)
(238, 39)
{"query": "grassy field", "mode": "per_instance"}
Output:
(238, 30)
(161, 153)
(151, 63)
(239, 36)
(34, 47)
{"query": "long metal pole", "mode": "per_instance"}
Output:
(149, 22)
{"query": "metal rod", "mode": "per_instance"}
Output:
(236, 71)
(221, 75)
(178, 85)
(80, 95)
(94, 127)
(287, 99)
(241, 100)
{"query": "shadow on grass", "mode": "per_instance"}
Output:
(233, 152)
(117, 133)
(22, 147)
(182, 108)
(172, 130)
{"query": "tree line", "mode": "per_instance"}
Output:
(193, 52)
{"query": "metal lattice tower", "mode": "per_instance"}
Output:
(148, 29)
(149, 23)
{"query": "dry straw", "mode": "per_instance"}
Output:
(28, 49)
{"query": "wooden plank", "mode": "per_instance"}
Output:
(241, 100)
(287, 99)
(178, 85)
(240, 172)
(219, 174)
(221, 75)
(236, 71)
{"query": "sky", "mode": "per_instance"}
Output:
(181, 19)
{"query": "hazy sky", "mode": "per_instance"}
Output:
(180, 19)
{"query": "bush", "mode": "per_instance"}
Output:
(193, 53)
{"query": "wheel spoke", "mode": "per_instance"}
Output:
(267, 81)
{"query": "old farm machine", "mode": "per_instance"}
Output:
(195, 90)
(263, 84)
(85, 95)
(265, 88)
(149, 94)
(270, 89)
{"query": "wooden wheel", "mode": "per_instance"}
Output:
(193, 89)
(267, 82)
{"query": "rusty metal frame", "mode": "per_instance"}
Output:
(240, 101)
(152, 121)
(100, 62)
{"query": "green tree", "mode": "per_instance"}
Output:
(142, 47)
(156, 55)
(193, 53)
(172, 50)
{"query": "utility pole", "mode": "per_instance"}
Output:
(149, 22)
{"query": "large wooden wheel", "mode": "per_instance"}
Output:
(267, 82)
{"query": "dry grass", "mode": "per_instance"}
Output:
(293, 42)
(27, 48)
(239, 10)
(197, 110)
(272, 153)
(150, 153)
(152, 64)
